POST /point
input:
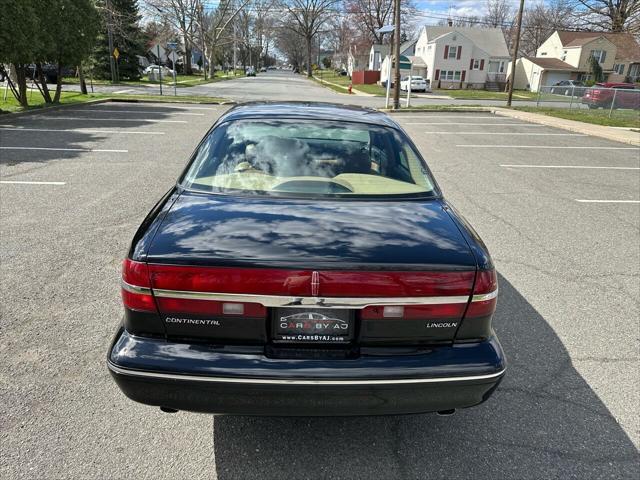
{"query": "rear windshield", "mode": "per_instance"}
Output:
(308, 158)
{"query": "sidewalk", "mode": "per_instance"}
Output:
(610, 133)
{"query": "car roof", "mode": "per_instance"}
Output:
(308, 111)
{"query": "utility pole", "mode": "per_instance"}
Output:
(396, 47)
(514, 54)
(112, 63)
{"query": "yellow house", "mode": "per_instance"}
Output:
(566, 56)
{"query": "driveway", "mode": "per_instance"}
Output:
(555, 208)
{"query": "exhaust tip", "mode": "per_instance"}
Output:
(446, 413)
(168, 410)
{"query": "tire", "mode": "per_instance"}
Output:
(592, 106)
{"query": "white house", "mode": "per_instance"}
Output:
(463, 57)
(416, 65)
(376, 56)
(566, 55)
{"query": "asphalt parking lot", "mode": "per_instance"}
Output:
(560, 213)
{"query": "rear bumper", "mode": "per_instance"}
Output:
(202, 378)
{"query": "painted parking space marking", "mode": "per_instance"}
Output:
(28, 182)
(424, 117)
(84, 119)
(105, 106)
(99, 150)
(548, 147)
(81, 130)
(570, 166)
(458, 132)
(606, 201)
(133, 111)
(477, 123)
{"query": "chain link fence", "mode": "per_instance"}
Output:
(597, 100)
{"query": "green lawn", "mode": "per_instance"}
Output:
(181, 80)
(332, 77)
(485, 94)
(68, 98)
(620, 118)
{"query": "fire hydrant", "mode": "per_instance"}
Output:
(350, 86)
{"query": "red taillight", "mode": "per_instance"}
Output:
(418, 312)
(210, 307)
(484, 300)
(136, 287)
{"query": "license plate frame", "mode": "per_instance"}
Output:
(312, 326)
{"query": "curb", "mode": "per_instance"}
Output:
(37, 111)
(608, 133)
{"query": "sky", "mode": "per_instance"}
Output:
(456, 8)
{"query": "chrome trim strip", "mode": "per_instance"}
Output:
(485, 296)
(290, 381)
(323, 302)
(135, 289)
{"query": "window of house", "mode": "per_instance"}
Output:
(453, 51)
(564, 55)
(599, 55)
(543, 54)
(476, 65)
(450, 75)
(619, 68)
(502, 66)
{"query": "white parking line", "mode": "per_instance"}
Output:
(458, 132)
(401, 116)
(81, 130)
(607, 201)
(24, 182)
(549, 146)
(132, 111)
(152, 120)
(480, 124)
(125, 91)
(571, 166)
(160, 105)
(66, 149)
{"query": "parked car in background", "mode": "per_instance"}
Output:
(307, 263)
(250, 72)
(50, 72)
(569, 87)
(154, 70)
(263, 69)
(418, 84)
(608, 94)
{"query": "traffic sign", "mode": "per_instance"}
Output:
(173, 57)
(116, 53)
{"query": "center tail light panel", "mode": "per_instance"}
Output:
(233, 303)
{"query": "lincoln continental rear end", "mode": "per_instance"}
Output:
(306, 263)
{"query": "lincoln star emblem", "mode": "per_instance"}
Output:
(315, 283)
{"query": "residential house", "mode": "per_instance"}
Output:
(376, 55)
(356, 61)
(463, 57)
(566, 56)
(407, 57)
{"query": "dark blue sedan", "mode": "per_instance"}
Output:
(306, 263)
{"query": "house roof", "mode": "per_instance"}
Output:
(551, 63)
(417, 61)
(407, 45)
(383, 49)
(491, 40)
(626, 45)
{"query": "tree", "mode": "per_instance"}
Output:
(18, 42)
(610, 15)
(123, 19)
(595, 69)
(541, 20)
(498, 13)
(306, 18)
(370, 15)
(67, 32)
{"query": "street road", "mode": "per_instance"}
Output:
(75, 184)
(284, 85)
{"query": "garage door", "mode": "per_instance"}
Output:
(551, 78)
